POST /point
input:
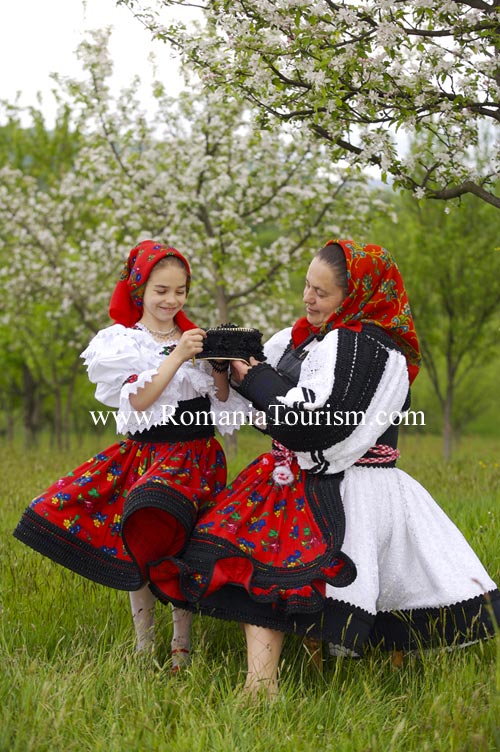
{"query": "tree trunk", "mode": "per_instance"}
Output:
(10, 426)
(230, 440)
(68, 406)
(31, 408)
(222, 306)
(58, 418)
(448, 431)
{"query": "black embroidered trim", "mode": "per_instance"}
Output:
(376, 465)
(170, 434)
(469, 620)
(309, 395)
(324, 499)
(321, 465)
(381, 336)
(79, 556)
(364, 356)
(159, 496)
(298, 429)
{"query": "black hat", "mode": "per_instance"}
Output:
(231, 342)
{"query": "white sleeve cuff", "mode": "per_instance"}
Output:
(231, 414)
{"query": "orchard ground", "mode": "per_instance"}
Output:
(70, 679)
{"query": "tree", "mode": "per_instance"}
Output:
(244, 205)
(45, 154)
(451, 265)
(58, 253)
(33, 160)
(355, 73)
(60, 249)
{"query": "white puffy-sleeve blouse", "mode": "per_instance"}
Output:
(121, 360)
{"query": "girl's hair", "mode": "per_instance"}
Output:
(334, 256)
(168, 261)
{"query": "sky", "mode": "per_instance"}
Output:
(38, 37)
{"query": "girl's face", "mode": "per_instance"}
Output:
(164, 296)
(322, 294)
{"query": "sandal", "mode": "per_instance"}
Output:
(180, 659)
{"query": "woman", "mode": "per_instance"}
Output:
(323, 536)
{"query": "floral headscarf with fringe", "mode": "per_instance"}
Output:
(126, 303)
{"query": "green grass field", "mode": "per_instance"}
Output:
(70, 679)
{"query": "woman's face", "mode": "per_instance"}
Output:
(165, 294)
(322, 294)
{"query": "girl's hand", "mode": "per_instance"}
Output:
(239, 369)
(189, 345)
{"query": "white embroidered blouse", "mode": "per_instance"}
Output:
(120, 360)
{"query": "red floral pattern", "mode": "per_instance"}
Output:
(260, 535)
(88, 502)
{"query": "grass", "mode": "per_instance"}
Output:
(69, 679)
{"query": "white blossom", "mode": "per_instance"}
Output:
(352, 64)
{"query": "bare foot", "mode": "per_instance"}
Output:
(260, 688)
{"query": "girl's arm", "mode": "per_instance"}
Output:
(189, 345)
(221, 384)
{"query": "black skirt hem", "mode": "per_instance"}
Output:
(77, 555)
(354, 628)
(470, 620)
(263, 576)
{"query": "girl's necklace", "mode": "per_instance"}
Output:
(161, 335)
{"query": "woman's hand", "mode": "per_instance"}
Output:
(189, 345)
(239, 369)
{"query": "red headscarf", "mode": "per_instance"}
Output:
(376, 296)
(126, 302)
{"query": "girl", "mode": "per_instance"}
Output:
(170, 461)
(324, 536)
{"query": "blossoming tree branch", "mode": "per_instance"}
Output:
(246, 205)
(355, 74)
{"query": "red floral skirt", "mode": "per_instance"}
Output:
(279, 543)
(79, 521)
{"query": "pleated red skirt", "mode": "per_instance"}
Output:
(79, 521)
